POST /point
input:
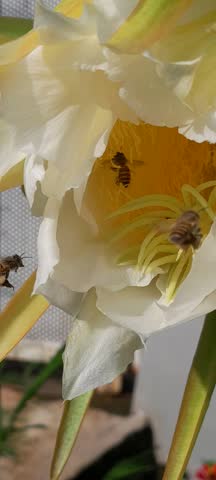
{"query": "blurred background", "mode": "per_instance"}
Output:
(128, 428)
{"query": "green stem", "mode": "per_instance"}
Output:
(198, 391)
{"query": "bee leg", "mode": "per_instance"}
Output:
(7, 284)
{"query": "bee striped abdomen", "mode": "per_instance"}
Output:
(124, 176)
(186, 231)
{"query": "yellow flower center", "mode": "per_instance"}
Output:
(137, 203)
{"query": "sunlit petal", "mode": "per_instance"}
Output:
(97, 349)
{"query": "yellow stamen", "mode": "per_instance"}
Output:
(155, 245)
(172, 175)
(156, 251)
(147, 240)
(149, 245)
(129, 257)
(204, 186)
(177, 275)
(139, 222)
(161, 201)
(162, 261)
(199, 198)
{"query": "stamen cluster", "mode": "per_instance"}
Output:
(156, 253)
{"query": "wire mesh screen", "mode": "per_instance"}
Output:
(19, 234)
(21, 8)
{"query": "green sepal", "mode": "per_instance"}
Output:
(197, 395)
(73, 414)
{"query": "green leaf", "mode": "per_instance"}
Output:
(12, 28)
(128, 467)
(73, 414)
(30, 392)
(200, 386)
(39, 380)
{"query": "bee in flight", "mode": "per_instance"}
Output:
(186, 231)
(8, 264)
(119, 164)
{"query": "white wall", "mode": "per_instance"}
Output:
(164, 369)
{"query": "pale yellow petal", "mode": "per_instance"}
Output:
(19, 316)
(72, 8)
(13, 178)
(148, 23)
(17, 49)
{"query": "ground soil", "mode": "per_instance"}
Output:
(34, 447)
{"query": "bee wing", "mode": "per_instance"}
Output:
(165, 226)
(2, 279)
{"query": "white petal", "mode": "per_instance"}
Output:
(133, 307)
(143, 311)
(199, 284)
(73, 140)
(34, 172)
(61, 296)
(32, 95)
(179, 76)
(48, 252)
(202, 129)
(97, 350)
(84, 261)
(145, 92)
(69, 252)
(207, 305)
(9, 155)
(72, 39)
(68, 114)
(54, 27)
(111, 14)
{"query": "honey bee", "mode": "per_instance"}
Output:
(186, 231)
(8, 264)
(119, 164)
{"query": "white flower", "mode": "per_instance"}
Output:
(113, 315)
(116, 302)
(71, 99)
(66, 89)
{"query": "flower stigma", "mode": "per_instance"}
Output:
(135, 212)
